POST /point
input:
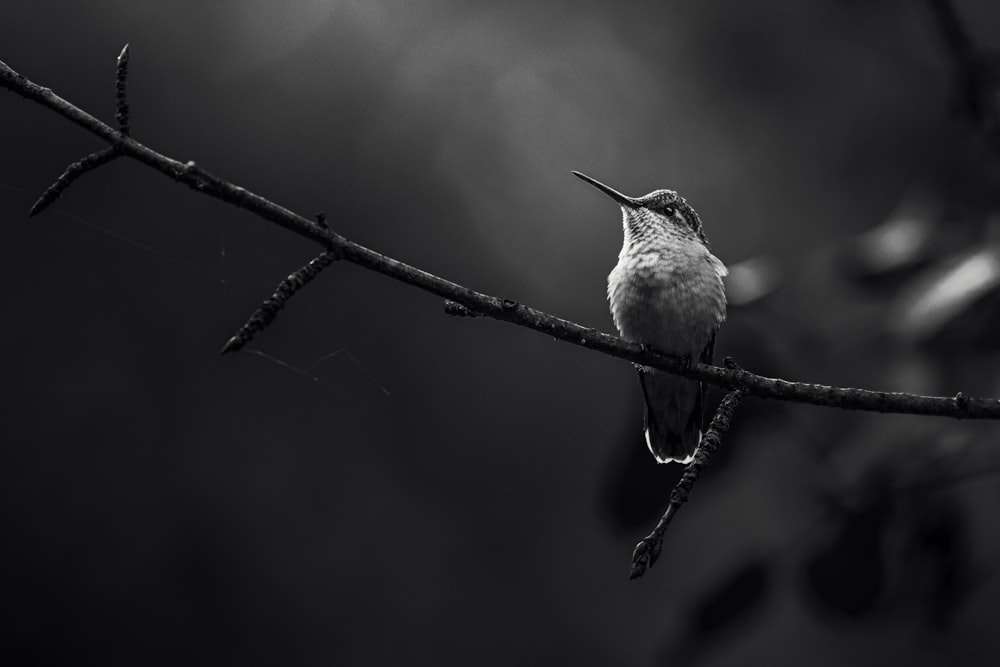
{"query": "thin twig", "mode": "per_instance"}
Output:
(73, 172)
(268, 310)
(97, 158)
(121, 98)
(649, 547)
(501, 309)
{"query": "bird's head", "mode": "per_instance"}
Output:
(650, 213)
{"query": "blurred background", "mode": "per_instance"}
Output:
(376, 482)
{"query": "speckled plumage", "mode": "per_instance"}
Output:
(666, 292)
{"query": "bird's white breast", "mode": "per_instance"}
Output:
(671, 299)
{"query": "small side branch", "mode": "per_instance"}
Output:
(68, 177)
(121, 99)
(649, 548)
(98, 158)
(268, 310)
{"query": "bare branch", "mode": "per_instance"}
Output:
(501, 309)
(268, 310)
(98, 158)
(648, 549)
(121, 101)
(73, 172)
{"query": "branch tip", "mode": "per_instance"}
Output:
(268, 310)
(234, 344)
(121, 99)
(645, 554)
(73, 172)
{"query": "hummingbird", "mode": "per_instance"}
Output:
(666, 293)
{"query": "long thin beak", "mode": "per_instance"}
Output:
(611, 192)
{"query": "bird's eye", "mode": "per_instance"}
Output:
(669, 211)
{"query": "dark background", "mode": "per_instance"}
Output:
(451, 491)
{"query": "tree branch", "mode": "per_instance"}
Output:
(68, 177)
(98, 158)
(268, 310)
(502, 309)
(649, 547)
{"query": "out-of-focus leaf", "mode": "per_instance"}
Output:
(957, 302)
(899, 245)
(751, 280)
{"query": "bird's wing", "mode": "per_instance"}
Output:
(706, 358)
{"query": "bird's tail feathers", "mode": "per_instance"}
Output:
(673, 415)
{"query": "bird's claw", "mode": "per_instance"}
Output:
(645, 349)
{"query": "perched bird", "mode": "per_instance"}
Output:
(666, 293)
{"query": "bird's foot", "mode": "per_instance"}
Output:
(645, 350)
